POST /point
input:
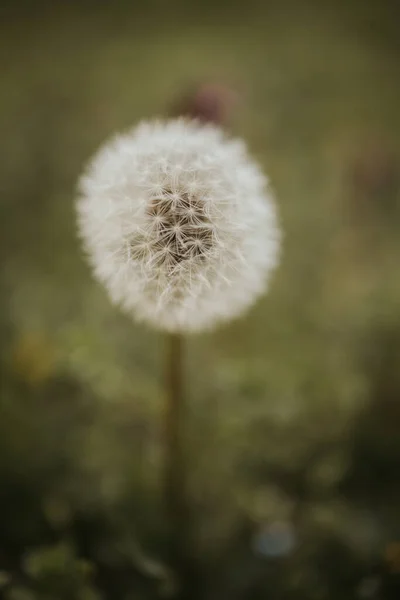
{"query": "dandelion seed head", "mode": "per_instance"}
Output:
(179, 224)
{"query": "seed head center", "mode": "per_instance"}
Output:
(181, 228)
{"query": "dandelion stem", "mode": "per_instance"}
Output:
(174, 453)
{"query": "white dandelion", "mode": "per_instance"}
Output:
(179, 224)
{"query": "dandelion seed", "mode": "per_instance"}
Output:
(179, 224)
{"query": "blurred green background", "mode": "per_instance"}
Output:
(292, 429)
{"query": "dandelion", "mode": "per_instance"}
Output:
(181, 228)
(179, 224)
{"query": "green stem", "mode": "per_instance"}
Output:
(174, 452)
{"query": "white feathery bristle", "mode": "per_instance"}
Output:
(178, 224)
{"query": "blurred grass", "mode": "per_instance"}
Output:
(320, 91)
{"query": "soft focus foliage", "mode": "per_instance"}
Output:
(293, 440)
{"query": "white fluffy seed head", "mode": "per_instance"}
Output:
(178, 224)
